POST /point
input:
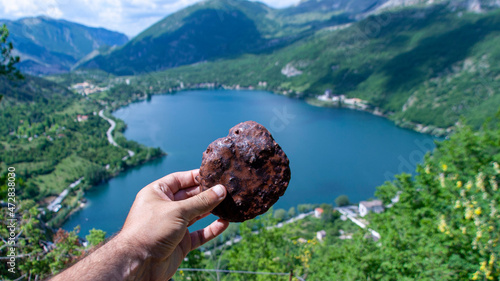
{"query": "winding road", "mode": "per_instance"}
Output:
(346, 212)
(109, 134)
(55, 205)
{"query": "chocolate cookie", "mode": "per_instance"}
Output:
(253, 168)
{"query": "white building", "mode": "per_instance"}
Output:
(375, 206)
(321, 235)
(318, 212)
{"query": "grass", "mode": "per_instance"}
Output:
(67, 171)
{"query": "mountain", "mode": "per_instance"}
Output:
(48, 46)
(217, 29)
(204, 31)
(426, 65)
(347, 6)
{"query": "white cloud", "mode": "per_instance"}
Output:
(127, 16)
(20, 8)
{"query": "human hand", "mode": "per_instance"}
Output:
(156, 226)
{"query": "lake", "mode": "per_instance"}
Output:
(332, 151)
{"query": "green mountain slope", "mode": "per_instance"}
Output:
(49, 46)
(223, 29)
(197, 34)
(425, 65)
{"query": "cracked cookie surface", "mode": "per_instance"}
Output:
(253, 168)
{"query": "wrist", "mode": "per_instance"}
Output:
(135, 260)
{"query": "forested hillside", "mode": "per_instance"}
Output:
(53, 137)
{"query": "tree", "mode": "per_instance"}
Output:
(7, 60)
(194, 259)
(265, 251)
(280, 214)
(303, 208)
(291, 212)
(342, 200)
(327, 215)
(94, 174)
(95, 237)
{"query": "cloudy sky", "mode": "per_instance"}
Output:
(127, 16)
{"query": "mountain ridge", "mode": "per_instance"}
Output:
(188, 35)
(48, 46)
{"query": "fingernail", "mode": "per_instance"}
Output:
(219, 190)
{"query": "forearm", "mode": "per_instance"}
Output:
(115, 260)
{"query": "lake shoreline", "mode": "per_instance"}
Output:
(82, 203)
(314, 101)
(420, 128)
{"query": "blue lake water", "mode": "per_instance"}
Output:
(332, 151)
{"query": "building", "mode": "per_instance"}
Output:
(375, 206)
(329, 93)
(343, 235)
(81, 118)
(321, 235)
(318, 212)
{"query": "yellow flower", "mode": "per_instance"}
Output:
(493, 183)
(476, 275)
(496, 167)
(478, 211)
(490, 228)
(479, 234)
(441, 180)
(427, 169)
(459, 184)
(457, 204)
(468, 214)
(480, 181)
(442, 224)
(483, 266)
(445, 167)
(468, 186)
(464, 230)
(492, 260)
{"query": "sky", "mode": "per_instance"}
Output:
(126, 16)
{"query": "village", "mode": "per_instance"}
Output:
(86, 88)
(343, 101)
(355, 213)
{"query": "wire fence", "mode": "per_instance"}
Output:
(290, 274)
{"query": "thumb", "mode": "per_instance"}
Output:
(202, 203)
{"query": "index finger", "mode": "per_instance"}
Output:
(179, 180)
